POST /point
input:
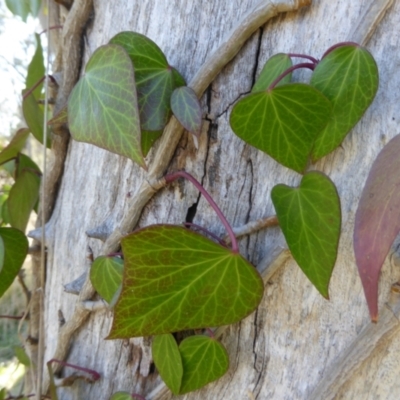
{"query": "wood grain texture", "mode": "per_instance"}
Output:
(284, 349)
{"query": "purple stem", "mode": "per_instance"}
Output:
(95, 375)
(115, 254)
(182, 174)
(138, 396)
(335, 46)
(29, 92)
(51, 28)
(10, 316)
(24, 397)
(296, 55)
(200, 228)
(289, 70)
(211, 333)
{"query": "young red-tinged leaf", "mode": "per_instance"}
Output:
(106, 276)
(282, 122)
(204, 360)
(310, 219)
(176, 279)
(186, 107)
(16, 249)
(103, 109)
(273, 68)
(21, 355)
(34, 117)
(2, 250)
(22, 198)
(348, 77)
(16, 144)
(36, 69)
(377, 221)
(155, 79)
(168, 360)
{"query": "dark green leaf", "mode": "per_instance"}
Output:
(3, 393)
(168, 361)
(106, 276)
(102, 108)
(121, 396)
(186, 107)
(34, 117)
(16, 249)
(204, 361)
(273, 68)
(16, 144)
(309, 217)
(282, 122)
(22, 198)
(1, 253)
(22, 356)
(36, 69)
(377, 221)
(176, 279)
(348, 77)
(20, 8)
(148, 139)
(155, 79)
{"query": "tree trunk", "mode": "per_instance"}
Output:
(295, 345)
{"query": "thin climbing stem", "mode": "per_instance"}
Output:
(182, 174)
(296, 55)
(289, 70)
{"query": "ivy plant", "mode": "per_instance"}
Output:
(170, 278)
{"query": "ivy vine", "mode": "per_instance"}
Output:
(170, 278)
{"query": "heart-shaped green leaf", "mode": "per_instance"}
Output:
(186, 107)
(273, 68)
(106, 276)
(19, 7)
(204, 361)
(377, 221)
(168, 361)
(121, 396)
(102, 108)
(23, 196)
(348, 77)
(16, 249)
(310, 219)
(176, 279)
(155, 79)
(34, 117)
(282, 122)
(16, 144)
(36, 69)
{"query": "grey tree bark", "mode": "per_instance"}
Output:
(296, 345)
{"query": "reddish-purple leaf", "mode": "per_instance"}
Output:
(377, 221)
